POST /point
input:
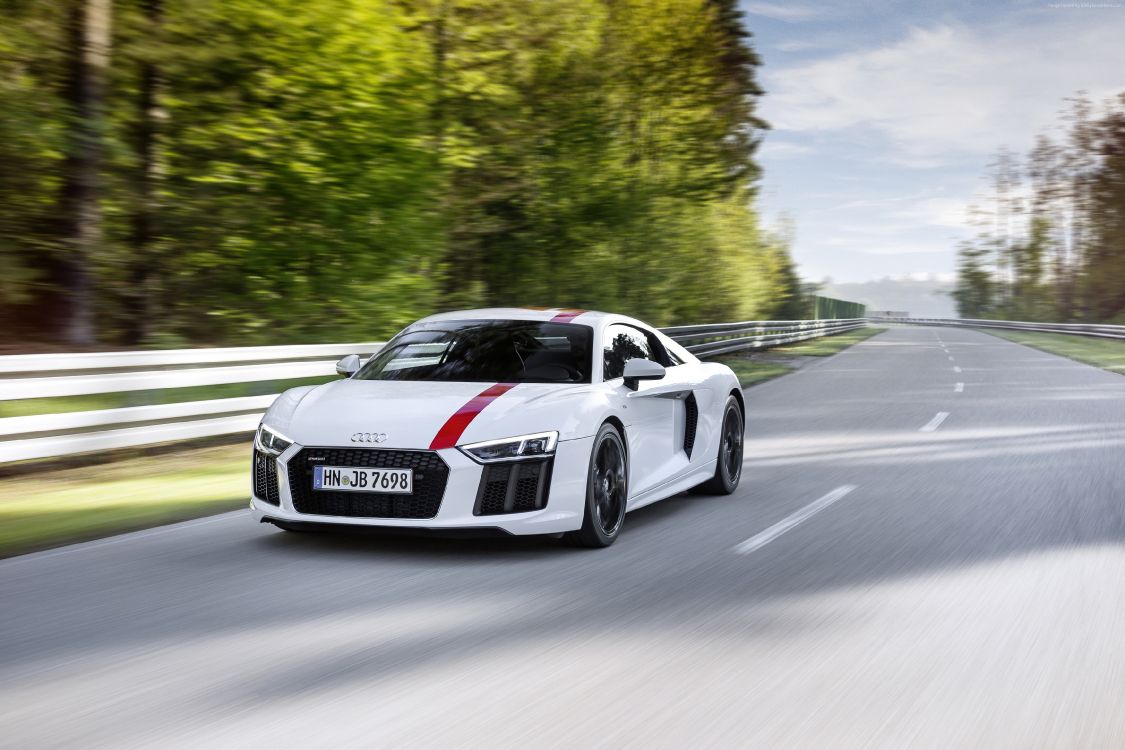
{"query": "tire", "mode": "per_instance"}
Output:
(607, 490)
(728, 466)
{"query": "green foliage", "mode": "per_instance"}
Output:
(31, 144)
(339, 168)
(974, 291)
(301, 131)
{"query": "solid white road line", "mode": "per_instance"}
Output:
(956, 369)
(789, 522)
(959, 388)
(934, 423)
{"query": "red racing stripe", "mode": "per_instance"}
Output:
(451, 431)
(567, 315)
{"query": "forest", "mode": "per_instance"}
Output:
(1050, 235)
(181, 172)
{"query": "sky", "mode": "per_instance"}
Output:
(886, 113)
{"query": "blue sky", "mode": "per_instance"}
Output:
(886, 113)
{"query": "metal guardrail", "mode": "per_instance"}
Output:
(1077, 329)
(712, 339)
(27, 376)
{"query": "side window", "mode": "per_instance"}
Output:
(623, 343)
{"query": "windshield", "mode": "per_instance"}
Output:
(505, 351)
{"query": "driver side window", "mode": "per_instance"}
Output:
(623, 343)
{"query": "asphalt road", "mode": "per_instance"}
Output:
(968, 591)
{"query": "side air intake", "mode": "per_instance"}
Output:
(690, 423)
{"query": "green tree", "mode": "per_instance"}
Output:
(32, 143)
(1104, 277)
(974, 293)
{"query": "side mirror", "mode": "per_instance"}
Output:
(348, 365)
(637, 369)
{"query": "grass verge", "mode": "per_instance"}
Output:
(761, 366)
(54, 507)
(96, 401)
(1108, 354)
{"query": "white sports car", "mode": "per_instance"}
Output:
(520, 420)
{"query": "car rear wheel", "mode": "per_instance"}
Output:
(607, 490)
(728, 468)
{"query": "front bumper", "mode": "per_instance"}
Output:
(563, 512)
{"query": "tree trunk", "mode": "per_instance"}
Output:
(146, 271)
(89, 31)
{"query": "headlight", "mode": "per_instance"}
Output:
(512, 449)
(270, 441)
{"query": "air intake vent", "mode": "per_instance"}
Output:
(690, 423)
(265, 478)
(513, 487)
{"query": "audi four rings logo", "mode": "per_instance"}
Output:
(369, 437)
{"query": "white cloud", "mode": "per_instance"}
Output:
(773, 149)
(938, 212)
(873, 241)
(799, 45)
(950, 90)
(910, 211)
(944, 278)
(904, 248)
(880, 202)
(780, 11)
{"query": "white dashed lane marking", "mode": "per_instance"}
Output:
(773, 532)
(934, 423)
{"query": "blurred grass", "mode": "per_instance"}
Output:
(762, 366)
(53, 507)
(1108, 354)
(94, 401)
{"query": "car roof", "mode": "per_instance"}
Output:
(555, 314)
(593, 318)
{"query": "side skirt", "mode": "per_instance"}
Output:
(675, 486)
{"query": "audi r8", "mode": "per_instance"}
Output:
(519, 420)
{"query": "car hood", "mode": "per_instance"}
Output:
(410, 413)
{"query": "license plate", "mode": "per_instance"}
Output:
(352, 479)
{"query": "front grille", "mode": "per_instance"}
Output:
(513, 487)
(265, 478)
(430, 476)
(691, 423)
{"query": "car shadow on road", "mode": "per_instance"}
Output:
(457, 545)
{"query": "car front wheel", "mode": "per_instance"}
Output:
(607, 490)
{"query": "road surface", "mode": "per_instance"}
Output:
(908, 563)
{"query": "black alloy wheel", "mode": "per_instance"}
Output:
(728, 467)
(607, 491)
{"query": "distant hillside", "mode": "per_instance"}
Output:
(926, 297)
